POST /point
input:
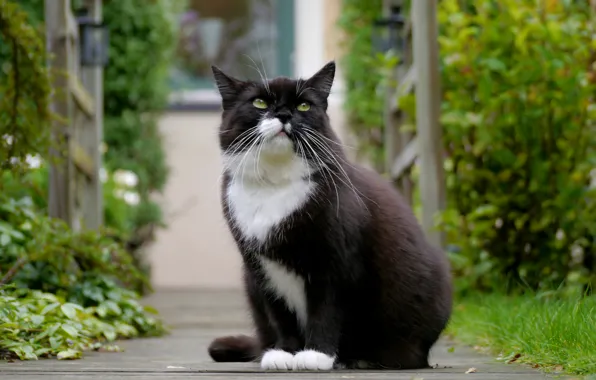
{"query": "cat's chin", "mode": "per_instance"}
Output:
(278, 146)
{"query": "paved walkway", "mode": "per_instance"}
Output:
(197, 317)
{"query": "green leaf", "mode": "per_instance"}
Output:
(4, 239)
(69, 354)
(110, 335)
(55, 342)
(69, 310)
(37, 319)
(70, 330)
(49, 308)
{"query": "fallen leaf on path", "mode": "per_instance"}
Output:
(472, 370)
(69, 354)
(514, 358)
(110, 348)
(559, 368)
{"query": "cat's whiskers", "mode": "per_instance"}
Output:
(264, 69)
(260, 179)
(242, 165)
(321, 164)
(230, 164)
(328, 152)
(327, 139)
(302, 153)
(263, 77)
(244, 136)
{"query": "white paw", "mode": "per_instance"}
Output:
(277, 359)
(312, 360)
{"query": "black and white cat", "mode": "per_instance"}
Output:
(337, 271)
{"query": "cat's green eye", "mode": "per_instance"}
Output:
(303, 107)
(259, 103)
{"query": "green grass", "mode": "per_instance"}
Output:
(550, 334)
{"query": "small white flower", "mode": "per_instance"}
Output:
(34, 162)
(527, 248)
(577, 254)
(560, 234)
(499, 223)
(103, 175)
(8, 138)
(126, 178)
(131, 198)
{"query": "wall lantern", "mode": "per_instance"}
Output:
(93, 40)
(387, 32)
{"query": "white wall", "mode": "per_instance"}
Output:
(309, 42)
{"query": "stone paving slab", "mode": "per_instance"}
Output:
(196, 317)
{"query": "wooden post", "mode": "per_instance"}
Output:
(92, 135)
(391, 127)
(61, 199)
(428, 98)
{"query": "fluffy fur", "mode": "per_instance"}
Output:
(337, 270)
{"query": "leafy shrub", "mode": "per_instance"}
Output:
(61, 292)
(86, 275)
(142, 41)
(37, 324)
(141, 49)
(518, 116)
(363, 74)
(24, 89)
(120, 190)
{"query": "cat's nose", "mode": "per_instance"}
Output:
(284, 116)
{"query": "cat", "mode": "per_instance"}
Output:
(337, 271)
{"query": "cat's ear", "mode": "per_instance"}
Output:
(229, 88)
(323, 79)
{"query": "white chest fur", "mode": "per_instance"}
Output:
(258, 208)
(288, 286)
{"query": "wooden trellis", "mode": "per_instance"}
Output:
(419, 72)
(75, 191)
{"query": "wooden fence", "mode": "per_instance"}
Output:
(75, 190)
(418, 71)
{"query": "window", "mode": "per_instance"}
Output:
(237, 36)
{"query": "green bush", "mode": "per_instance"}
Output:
(518, 118)
(61, 292)
(363, 75)
(142, 40)
(518, 82)
(24, 90)
(85, 275)
(143, 36)
(120, 195)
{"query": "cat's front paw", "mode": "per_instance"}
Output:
(277, 360)
(312, 360)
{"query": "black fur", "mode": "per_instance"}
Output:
(377, 292)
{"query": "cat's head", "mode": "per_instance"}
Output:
(276, 120)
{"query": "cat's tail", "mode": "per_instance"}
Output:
(239, 348)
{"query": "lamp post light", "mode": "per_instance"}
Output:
(387, 32)
(93, 40)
